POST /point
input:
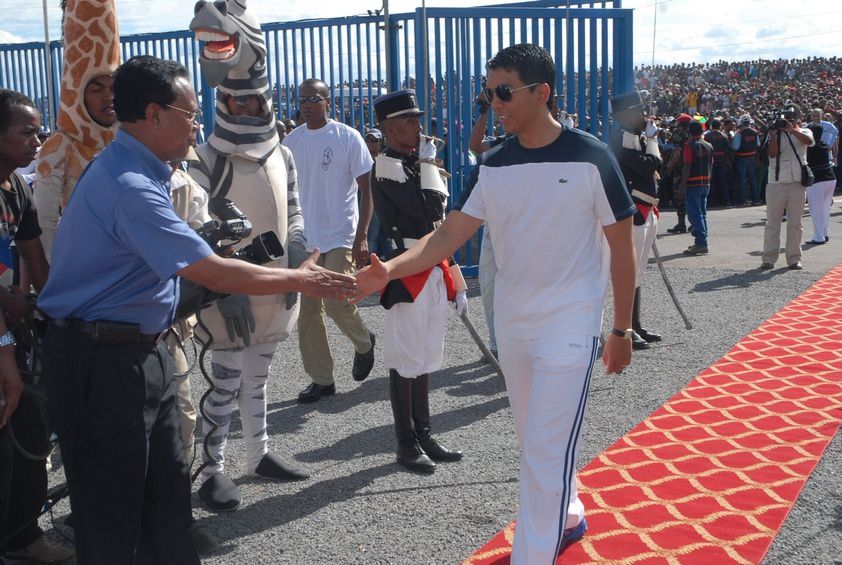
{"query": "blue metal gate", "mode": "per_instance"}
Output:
(441, 52)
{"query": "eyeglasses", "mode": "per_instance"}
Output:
(193, 116)
(312, 99)
(504, 91)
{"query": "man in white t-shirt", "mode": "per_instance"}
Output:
(557, 208)
(333, 163)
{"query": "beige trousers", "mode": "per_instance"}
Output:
(186, 410)
(312, 333)
(779, 197)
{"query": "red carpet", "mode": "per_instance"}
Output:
(711, 476)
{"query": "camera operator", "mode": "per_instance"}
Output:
(788, 145)
(113, 290)
(23, 480)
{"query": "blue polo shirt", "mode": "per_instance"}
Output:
(120, 243)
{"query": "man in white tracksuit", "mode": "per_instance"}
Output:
(560, 216)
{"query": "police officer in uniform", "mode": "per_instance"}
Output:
(410, 199)
(636, 146)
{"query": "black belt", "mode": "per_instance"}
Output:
(103, 331)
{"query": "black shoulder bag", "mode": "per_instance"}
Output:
(807, 177)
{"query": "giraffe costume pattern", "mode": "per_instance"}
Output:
(91, 48)
(244, 162)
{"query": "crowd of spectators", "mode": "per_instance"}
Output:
(755, 87)
(726, 93)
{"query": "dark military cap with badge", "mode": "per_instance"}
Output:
(398, 104)
(627, 101)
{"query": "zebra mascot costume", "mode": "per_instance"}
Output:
(244, 162)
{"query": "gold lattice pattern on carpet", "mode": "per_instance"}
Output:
(710, 476)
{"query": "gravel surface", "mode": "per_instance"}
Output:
(360, 507)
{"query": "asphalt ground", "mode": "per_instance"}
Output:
(360, 507)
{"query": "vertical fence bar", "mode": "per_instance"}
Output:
(606, 94)
(593, 81)
(350, 61)
(369, 116)
(423, 98)
(570, 48)
(581, 69)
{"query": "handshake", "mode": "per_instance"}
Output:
(319, 282)
(375, 277)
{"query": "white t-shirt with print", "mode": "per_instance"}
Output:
(329, 160)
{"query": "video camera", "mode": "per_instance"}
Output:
(233, 226)
(229, 228)
(782, 118)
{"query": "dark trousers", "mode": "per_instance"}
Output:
(23, 481)
(719, 185)
(114, 408)
(746, 169)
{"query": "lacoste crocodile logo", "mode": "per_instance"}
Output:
(562, 181)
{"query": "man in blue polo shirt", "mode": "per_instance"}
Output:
(111, 293)
(556, 206)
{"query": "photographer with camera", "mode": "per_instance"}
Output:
(119, 251)
(787, 189)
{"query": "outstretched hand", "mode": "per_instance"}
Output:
(371, 279)
(318, 282)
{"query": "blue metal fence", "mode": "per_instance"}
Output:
(591, 43)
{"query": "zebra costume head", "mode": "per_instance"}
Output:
(233, 59)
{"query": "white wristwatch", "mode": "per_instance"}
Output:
(7, 339)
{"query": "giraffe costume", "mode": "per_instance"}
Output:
(91, 49)
(244, 162)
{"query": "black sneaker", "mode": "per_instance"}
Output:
(363, 362)
(696, 250)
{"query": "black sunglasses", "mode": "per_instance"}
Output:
(312, 99)
(503, 91)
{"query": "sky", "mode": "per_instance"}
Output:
(684, 30)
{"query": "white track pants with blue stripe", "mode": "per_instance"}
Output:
(547, 380)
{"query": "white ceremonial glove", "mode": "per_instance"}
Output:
(460, 303)
(426, 148)
(651, 129)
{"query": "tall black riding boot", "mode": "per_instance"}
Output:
(409, 454)
(421, 418)
(647, 336)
